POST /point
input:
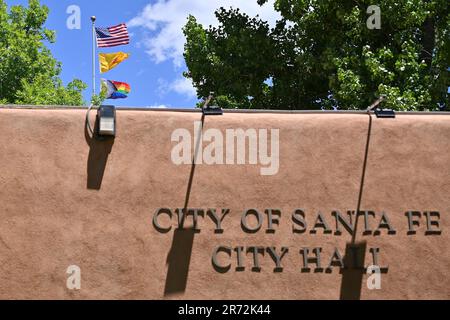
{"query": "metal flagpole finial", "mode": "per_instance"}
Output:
(93, 18)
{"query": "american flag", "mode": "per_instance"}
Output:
(112, 36)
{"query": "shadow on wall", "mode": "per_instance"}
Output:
(99, 151)
(178, 261)
(179, 256)
(352, 278)
(352, 275)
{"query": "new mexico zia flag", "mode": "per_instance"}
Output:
(109, 61)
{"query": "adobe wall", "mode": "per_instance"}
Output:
(66, 199)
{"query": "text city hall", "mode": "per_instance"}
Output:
(253, 221)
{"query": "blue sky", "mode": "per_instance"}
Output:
(154, 69)
(74, 49)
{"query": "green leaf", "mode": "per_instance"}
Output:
(28, 72)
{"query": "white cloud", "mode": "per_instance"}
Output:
(181, 85)
(166, 18)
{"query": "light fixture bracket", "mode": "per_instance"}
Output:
(213, 110)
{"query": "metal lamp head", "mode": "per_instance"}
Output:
(106, 121)
(212, 111)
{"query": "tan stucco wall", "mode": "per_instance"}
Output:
(54, 212)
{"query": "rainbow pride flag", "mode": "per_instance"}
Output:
(115, 89)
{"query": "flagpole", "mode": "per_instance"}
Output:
(93, 18)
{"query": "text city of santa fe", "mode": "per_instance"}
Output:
(187, 219)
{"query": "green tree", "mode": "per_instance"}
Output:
(321, 54)
(28, 72)
(97, 99)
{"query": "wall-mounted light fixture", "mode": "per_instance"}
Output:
(384, 113)
(213, 110)
(105, 122)
(379, 112)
